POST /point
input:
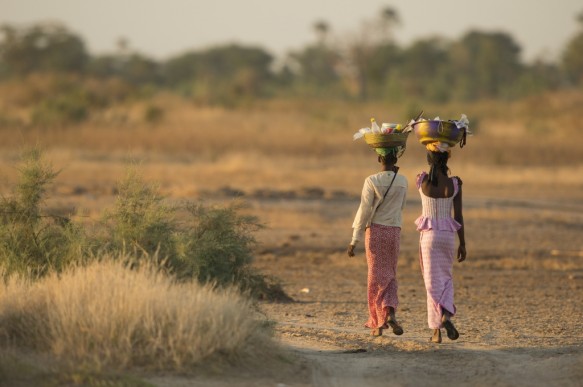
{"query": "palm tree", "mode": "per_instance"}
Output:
(389, 19)
(322, 29)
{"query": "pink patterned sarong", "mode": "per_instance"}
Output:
(437, 250)
(382, 251)
(437, 253)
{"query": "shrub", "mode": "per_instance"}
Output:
(209, 244)
(33, 243)
(61, 110)
(153, 114)
(212, 245)
(140, 220)
(217, 243)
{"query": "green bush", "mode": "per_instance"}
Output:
(61, 110)
(33, 243)
(153, 114)
(192, 241)
(217, 244)
(139, 221)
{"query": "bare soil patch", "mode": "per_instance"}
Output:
(518, 297)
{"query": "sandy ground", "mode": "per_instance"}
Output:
(519, 294)
(519, 298)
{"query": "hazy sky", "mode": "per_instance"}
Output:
(163, 28)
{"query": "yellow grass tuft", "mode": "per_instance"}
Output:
(106, 316)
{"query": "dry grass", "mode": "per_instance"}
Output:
(297, 145)
(301, 128)
(106, 316)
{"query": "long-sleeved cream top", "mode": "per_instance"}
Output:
(389, 210)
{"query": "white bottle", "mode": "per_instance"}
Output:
(374, 126)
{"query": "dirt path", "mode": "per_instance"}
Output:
(506, 339)
(520, 313)
(450, 364)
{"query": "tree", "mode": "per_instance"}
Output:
(485, 65)
(181, 69)
(41, 48)
(127, 64)
(424, 70)
(316, 66)
(362, 46)
(383, 63)
(230, 71)
(140, 70)
(389, 20)
(322, 29)
(572, 58)
(314, 69)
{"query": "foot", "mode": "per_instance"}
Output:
(376, 332)
(392, 322)
(436, 338)
(452, 333)
(397, 329)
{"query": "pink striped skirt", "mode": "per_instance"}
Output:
(382, 250)
(436, 255)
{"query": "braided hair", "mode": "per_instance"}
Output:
(388, 159)
(438, 163)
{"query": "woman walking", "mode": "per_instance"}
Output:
(379, 218)
(439, 194)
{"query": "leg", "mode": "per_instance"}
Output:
(392, 322)
(452, 333)
(382, 250)
(376, 332)
(436, 338)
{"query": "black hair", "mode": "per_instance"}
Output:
(438, 162)
(388, 159)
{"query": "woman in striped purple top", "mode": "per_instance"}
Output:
(439, 195)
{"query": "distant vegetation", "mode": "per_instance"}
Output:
(191, 241)
(60, 82)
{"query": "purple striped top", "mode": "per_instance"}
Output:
(436, 213)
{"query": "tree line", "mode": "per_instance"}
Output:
(366, 65)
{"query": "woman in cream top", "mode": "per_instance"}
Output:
(379, 219)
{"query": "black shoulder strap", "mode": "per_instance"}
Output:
(390, 185)
(383, 199)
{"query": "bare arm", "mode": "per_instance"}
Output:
(459, 217)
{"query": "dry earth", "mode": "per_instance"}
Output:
(519, 299)
(519, 294)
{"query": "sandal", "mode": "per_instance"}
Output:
(397, 329)
(452, 333)
(436, 338)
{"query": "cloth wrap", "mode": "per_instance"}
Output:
(396, 151)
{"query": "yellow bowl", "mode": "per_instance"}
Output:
(386, 140)
(442, 131)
